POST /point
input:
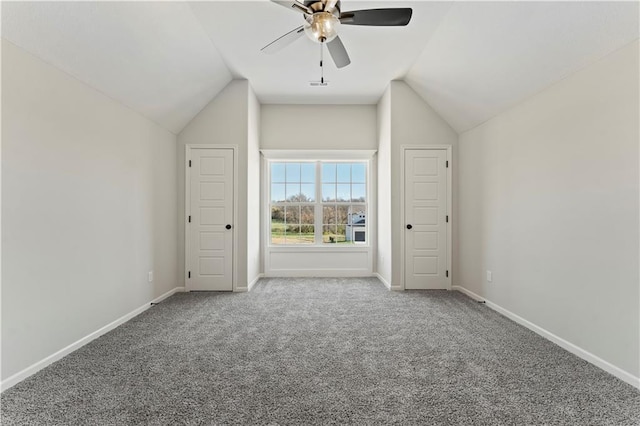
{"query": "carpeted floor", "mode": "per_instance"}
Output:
(319, 351)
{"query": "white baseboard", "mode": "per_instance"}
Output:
(386, 283)
(255, 281)
(20, 376)
(381, 278)
(576, 350)
(318, 273)
(167, 294)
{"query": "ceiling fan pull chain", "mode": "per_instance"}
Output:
(321, 63)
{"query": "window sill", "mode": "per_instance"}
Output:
(315, 248)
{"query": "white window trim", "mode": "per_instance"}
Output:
(321, 269)
(318, 154)
(318, 204)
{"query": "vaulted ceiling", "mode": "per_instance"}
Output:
(468, 60)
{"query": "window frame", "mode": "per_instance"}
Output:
(319, 204)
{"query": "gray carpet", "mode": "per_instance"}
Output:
(321, 351)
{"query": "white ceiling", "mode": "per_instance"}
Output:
(378, 55)
(468, 60)
(487, 57)
(153, 57)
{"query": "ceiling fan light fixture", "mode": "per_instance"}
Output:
(322, 27)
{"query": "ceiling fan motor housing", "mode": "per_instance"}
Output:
(322, 26)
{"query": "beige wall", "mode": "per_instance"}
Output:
(414, 122)
(549, 203)
(253, 188)
(318, 127)
(383, 258)
(88, 208)
(224, 121)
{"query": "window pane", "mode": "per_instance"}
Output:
(341, 234)
(308, 173)
(307, 215)
(308, 192)
(329, 234)
(293, 172)
(277, 225)
(329, 215)
(358, 192)
(343, 215)
(344, 172)
(355, 231)
(329, 192)
(277, 214)
(293, 232)
(358, 173)
(292, 215)
(328, 172)
(358, 214)
(306, 235)
(277, 172)
(277, 192)
(293, 192)
(343, 192)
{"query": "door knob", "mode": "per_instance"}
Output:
(228, 226)
(409, 226)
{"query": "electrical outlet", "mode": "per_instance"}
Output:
(150, 276)
(489, 276)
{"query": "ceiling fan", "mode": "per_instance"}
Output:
(323, 19)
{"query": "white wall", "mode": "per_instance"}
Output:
(297, 127)
(383, 258)
(253, 188)
(224, 121)
(88, 208)
(549, 202)
(414, 122)
(321, 127)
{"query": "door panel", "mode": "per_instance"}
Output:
(426, 212)
(210, 260)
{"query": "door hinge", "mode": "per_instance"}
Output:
(447, 164)
(189, 274)
(189, 219)
(447, 274)
(189, 163)
(447, 218)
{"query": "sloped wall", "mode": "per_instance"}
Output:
(413, 122)
(224, 121)
(549, 203)
(88, 209)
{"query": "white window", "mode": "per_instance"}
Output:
(318, 202)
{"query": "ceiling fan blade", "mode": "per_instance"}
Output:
(330, 5)
(283, 41)
(294, 5)
(377, 17)
(338, 53)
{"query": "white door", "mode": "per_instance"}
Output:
(210, 258)
(425, 184)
